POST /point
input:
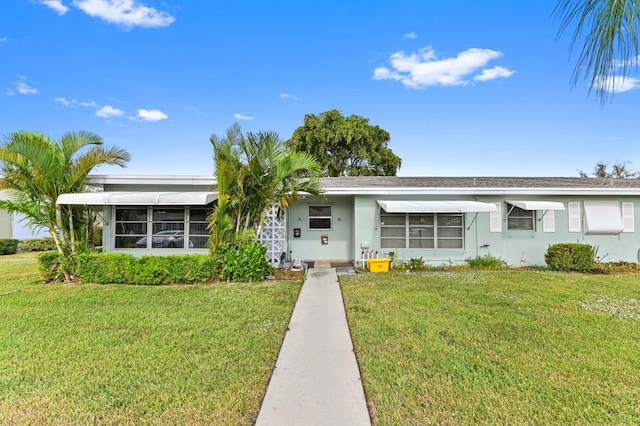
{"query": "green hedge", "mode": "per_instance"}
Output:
(570, 257)
(36, 244)
(8, 246)
(242, 262)
(120, 268)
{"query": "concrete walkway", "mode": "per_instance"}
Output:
(316, 380)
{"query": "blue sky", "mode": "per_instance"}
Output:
(464, 88)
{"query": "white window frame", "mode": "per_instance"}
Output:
(330, 217)
(521, 214)
(149, 222)
(436, 238)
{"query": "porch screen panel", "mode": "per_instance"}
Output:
(130, 227)
(168, 228)
(198, 233)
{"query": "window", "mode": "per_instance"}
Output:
(131, 227)
(421, 231)
(198, 232)
(161, 227)
(519, 219)
(320, 217)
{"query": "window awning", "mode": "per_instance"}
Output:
(396, 206)
(602, 218)
(138, 198)
(537, 205)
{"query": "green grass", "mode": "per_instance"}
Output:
(116, 354)
(523, 348)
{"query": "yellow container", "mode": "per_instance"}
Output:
(379, 265)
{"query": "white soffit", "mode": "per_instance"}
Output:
(537, 205)
(138, 198)
(602, 218)
(396, 206)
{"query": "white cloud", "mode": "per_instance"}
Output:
(150, 115)
(91, 104)
(493, 73)
(108, 111)
(241, 117)
(56, 5)
(411, 35)
(128, 13)
(288, 96)
(24, 89)
(423, 68)
(196, 110)
(66, 102)
(3, 39)
(22, 86)
(617, 84)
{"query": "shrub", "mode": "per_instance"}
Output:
(8, 246)
(103, 268)
(244, 261)
(570, 257)
(50, 265)
(36, 244)
(487, 262)
(121, 268)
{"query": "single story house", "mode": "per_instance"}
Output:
(443, 220)
(6, 221)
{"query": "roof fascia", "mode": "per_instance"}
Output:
(481, 191)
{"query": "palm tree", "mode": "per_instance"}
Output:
(255, 173)
(37, 169)
(611, 48)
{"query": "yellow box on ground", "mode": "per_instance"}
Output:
(379, 265)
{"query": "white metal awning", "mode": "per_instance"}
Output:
(138, 198)
(396, 206)
(537, 205)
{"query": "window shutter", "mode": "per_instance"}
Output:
(575, 224)
(495, 219)
(628, 224)
(549, 221)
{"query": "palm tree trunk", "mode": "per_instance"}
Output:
(72, 232)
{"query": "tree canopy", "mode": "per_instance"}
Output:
(618, 170)
(345, 146)
(254, 173)
(607, 32)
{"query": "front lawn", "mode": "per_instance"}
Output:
(497, 348)
(118, 354)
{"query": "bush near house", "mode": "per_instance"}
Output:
(36, 244)
(487, 262)
(244, 261)
(8, 246)
(570, 257)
